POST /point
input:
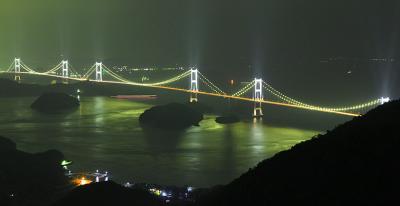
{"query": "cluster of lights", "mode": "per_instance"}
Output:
(168, 81)
(125, 68)
(117, 77)
(155, 191)
(81, 181)
(160, 193)
(144, 78)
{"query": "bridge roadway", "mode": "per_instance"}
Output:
(189, 91)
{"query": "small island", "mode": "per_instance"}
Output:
(228, 119)
(171, 116)
(55, 102)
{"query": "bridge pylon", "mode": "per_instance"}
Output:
(99, 71)
(194, 84)
(65, 70)
(258, 97)
(384, 100)
(17, 69)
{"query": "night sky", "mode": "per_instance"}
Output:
(284, 41)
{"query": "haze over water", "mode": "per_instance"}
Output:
(105, 134)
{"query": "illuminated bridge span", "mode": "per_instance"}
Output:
(255, 91)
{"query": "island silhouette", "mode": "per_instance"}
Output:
(173, 116)
(54, 102)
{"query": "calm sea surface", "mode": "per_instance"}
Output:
(104, 134)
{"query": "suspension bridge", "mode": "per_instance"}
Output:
(254, 91)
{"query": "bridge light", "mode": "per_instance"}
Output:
(194, 84)
(64, 66)
(99, 71)
(258, 98)
(81, 181)
(384, 100)
(17, 69)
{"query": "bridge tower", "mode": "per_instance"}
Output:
(258, 98)
(99, 71)
(384, 100)
(65, 68)
(194, 84)
(17, 69)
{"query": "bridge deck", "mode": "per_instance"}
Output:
(198, 92)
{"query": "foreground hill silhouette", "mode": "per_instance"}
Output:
(108, 193)
(171, 116)
(55, 102)
(354, 164)
(29, 179)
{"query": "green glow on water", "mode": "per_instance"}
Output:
(104, 133)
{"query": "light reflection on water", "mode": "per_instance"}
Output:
(104, 133)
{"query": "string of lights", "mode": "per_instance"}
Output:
(54, 69)
(244, 89)
(216, 88)
(27, 68)
(288, 101)
(209, 86)
(73, 71)
(89, 72)
(199, 92)
(11, 67)
(336, 109)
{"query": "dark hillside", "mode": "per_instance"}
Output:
(354, 164)
(108, 193)
(29, 179)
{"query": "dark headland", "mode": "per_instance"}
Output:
(108, 193)
(171, 116)
(354, 164)
(29, 179)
